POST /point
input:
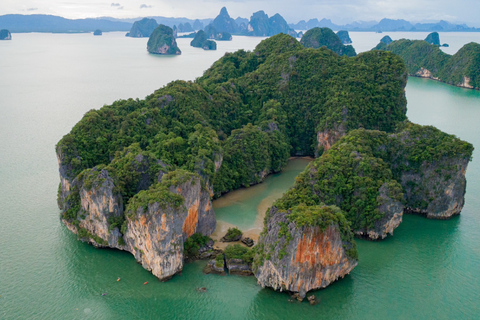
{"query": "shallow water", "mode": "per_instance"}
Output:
(428, 269)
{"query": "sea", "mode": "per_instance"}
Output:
(427, 270)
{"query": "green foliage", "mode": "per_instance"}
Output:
(238, 251)
(320, 37)
(220, 261)
(194, 243)
(419, 54)
(233, 233)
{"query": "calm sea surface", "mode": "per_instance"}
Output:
(427, 270)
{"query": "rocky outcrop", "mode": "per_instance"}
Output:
(155, 235)
(224, 23)
(5, 35)
(386, 39)
(162, 41)
(142, 28)
(433, 38)
(344, 37)
(328, 137)
(238, 267)
(392, 211)
(299, 258)
(430, 166)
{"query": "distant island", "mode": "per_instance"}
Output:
(97, 32)
(259, 24)
(140, 175)
(162, 41)
(5, 34)
(201, 41)
(142, 28)
(428, 61)
(319, 37)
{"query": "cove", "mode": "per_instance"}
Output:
(245, 208)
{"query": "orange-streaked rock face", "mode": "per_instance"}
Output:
(190, 224)
(312, 259)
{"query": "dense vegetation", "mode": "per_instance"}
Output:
(234, 125)
(319, 37)
(451, 69)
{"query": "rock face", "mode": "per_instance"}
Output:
(436, 186)
(319, 37)
(162, 41)
(5, 35)
(155, 236)
(433, 38)
(300, 258)
(344, 37)
(156, 222)
(142, 28)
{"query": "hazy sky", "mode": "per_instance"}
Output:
(339, 11)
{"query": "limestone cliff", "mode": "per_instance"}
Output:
(303, 252)
(155, 234)
(430, 165)
(142, 28)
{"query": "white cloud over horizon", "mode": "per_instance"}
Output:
(339, 11)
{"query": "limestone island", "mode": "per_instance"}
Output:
(162, 41)
(142, 28)
(201, 41)
(140, 175)
(428, 61)
(97, 32)
(5, 35)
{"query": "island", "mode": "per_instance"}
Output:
(319, 37)
(433, 38)
(201, 41)
(142, 28)
(140, 175)
(428, 61)
(5, 35)
(97, 32)
(162, 41)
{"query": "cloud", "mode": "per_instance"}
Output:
(32, 9)
(115, 4)
(145, 6)
(120, 8)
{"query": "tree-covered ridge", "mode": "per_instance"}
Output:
(319, 37)
(424, 59)
(242, 119)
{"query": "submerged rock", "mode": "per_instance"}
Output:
(304, 249)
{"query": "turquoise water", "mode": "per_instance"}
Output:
(428, 269)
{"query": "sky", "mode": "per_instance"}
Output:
(339, 11)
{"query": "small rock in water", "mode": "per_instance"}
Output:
(297, 296)
(202, 289)
(312, 300)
